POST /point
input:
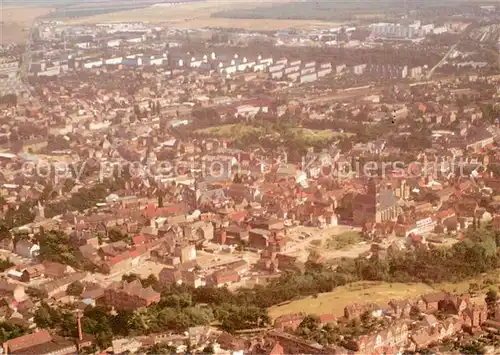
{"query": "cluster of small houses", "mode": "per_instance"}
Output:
(412, 324)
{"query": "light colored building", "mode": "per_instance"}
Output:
(309, 78)
(359, 69)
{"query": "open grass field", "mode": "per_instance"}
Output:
(361, 292)
(234, 131)
(484, 282)
(338, 242)
(199, 15)
(345, 240)
(378, 292)
(16, 21)
(239, 130)
(312, 136)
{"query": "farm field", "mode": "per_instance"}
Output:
(199, 15)
(16, 21)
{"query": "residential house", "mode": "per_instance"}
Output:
(185, 253)
(27, 249)
(130, 295)
(54, 270)
(389, 340)
(289, 322)
(170, 276)
(225, 277)
(354, 311)
(12, 291)
(58, 287)
(236, 235)
(432, 301)
(400, 308)
(32, 272)
(296, 345)
(259, 238)
(40, 343)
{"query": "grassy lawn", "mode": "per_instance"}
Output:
(312, 136)
(338, 242)
(361, 292)
(234, 131)
(343, 241)
(484, 283)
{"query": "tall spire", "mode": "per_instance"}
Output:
(40, 211)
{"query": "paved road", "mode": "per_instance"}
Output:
(441, 62)
(26, 60)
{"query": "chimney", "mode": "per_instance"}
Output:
(5, 348)
(79, 323)
(223, 236)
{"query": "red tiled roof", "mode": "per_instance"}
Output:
(277, 350)
(151, 211)
(28, 341)
(140, 239)
(238, 216)
(445, 214)
(415, 237)
(258, 103)
(326, 318)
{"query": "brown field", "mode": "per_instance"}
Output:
(198, 15)
(16, 21)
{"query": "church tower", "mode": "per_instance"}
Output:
(40, 212)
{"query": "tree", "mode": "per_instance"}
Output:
(55, 246)
(75, 289)
(161, 349)
(43, 317)
(237, 179)
(20, 216)
(491, 301)
(4, 231)
(309, 324)
(137, 110)
(209, 349)
(10, 331)
(9, 99)
(130, 277)
(5, 264)
(68, 185)
(100, 239)
(96, 321)
(116, 235)
(151, 280)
